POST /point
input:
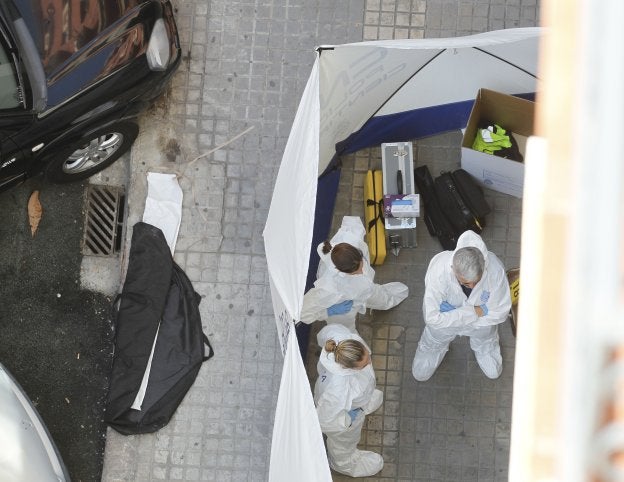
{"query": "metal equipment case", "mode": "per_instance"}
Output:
(398, 178)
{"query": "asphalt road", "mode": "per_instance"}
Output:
(56, 339)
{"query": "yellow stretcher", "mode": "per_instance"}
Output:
(373, 214)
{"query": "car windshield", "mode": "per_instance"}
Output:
(10, 92)
(60, 29)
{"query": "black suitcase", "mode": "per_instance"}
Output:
(453, 203)
(472, 194)
(454, 206)
(436, 221)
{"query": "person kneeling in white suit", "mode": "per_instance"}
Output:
(344, 394)
(466, 293)
(345, 286)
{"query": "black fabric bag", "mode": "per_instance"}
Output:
(159, 312)
(454, 206)
(472, 194)
(436, 221)
(453, 203)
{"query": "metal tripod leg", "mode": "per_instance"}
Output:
(395, 243)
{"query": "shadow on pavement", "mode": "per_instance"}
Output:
(56, 339)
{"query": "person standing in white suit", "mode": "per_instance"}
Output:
(344, 394)
(344, 285)
(466, 293)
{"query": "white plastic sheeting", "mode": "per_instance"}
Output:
(297, 451)
(288, 230)
(163, 206)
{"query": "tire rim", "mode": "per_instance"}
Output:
(93, 153)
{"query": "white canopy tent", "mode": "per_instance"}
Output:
(360, 95)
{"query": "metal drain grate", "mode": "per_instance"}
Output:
(104, 220)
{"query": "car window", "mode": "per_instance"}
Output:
(9, 87)
(60, 29)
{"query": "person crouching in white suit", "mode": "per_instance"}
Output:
(344, 285)
(344, 394)
(466, 293)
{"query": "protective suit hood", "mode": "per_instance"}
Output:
(442, 326)
(337, 392)
(472, 239)
(353, 287)
(333, 286)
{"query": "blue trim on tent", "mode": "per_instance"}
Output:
(326, 192)
(409, 125)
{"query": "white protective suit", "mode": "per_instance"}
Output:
(333, 286)
(337, 391)
(441, 328)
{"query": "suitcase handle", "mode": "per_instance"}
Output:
(379, 210)
(210, 350)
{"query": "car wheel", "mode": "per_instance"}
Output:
(92, 153)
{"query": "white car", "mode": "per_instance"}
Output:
(27, 452)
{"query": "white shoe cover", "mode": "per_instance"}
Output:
(490, 363)
(374, 403)
(426, 363)
(362, 463)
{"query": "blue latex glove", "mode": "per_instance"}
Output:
(354, 413)
(340, 308)
(485, 296)
(485, 309)
(446, 306)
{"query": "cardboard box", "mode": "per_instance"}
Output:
(513, 114)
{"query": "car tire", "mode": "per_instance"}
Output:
(91, 154)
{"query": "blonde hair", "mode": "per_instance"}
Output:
(347, 353)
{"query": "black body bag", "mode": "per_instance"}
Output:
(159, 341)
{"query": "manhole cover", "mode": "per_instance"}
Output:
(104, 220)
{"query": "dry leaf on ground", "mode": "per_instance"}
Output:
(35, 211)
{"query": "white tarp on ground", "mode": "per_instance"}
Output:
(163, 205)
(349, 86)
(163, 209)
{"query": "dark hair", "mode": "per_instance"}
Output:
(347, 353)
(345, 257)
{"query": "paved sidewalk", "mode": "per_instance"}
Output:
(246, 64)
